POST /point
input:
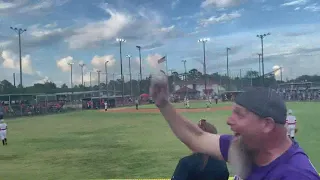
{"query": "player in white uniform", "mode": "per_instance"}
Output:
(187, 104)
(105, 106)
(291, 124)
(3, 130)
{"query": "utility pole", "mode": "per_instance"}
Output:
(14, 79)
(262, 36)
(228, 49)
(106, 71)
(185, 75)
(114, 85)
(203, 41)
(81, 66)
(122, 78)
(129, 57)
(259, 54)
(90, 81)
(140, 89)
(71, 64)
(19, 31)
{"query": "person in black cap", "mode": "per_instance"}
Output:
(258, 120)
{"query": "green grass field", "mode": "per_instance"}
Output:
(93, 145)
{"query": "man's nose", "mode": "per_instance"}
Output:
(230, 121)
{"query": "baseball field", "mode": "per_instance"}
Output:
(122, 143)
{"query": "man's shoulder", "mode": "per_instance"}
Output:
(296, 173)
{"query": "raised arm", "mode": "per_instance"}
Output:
(189, 133)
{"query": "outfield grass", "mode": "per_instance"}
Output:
(93, 145)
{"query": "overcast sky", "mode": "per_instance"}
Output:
(60, 31)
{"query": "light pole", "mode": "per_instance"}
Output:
(71, 64)
(185, 76)
(139, 48)
(262, 36)
(228, 49)
(99, 86)
(122, 79)
(81, 66)
(203, 41)
(259, 64)
(129, 58)
(19, 31)
(106, 71)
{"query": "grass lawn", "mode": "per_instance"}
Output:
(93, 145)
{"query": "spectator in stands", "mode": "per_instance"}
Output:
(198, 166)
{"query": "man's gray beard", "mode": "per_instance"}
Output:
(240, 158)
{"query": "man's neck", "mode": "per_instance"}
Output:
(272, 151)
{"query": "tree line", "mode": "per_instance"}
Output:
(249, 78)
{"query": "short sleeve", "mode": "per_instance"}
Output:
(225, 141)
(299, 176)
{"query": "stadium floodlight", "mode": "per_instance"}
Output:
(204, 41)
(262, 36)
(121, 69)
(19, 31)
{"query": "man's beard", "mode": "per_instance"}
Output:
(240, 158)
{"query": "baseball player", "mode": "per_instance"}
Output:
(216, 99)
(137, 104)
(105, 105)
(187, 103)
(3, 130)
(291, 124)
(210, 99)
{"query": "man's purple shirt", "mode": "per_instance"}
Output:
(294, 164)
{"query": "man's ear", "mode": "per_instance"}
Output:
(269, 124)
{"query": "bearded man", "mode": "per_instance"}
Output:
(259, 149)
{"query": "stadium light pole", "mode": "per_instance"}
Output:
(228, 49)
(129, 58)
(106, 71)
(204, 41)
(139, 49)
(259, 54)
(99, 86)
(82, 66)
(185, 75)
(19, 31)
(122, 79)
(71, 64)
(262, 36)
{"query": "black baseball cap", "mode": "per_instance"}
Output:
(264, 102)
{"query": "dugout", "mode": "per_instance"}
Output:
(230, 95)
(18, 104)
(98, 102)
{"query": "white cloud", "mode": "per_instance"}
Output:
(100, 31)
(220, 3)
(99, 61)
(39, 32)
(11, 61)
(313, 8)
(174, 3)
(220, 19)
(42, 5)
(63, 63)
(295, 3)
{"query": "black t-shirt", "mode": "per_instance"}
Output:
(191, 168)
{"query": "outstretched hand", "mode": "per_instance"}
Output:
(159, 89)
